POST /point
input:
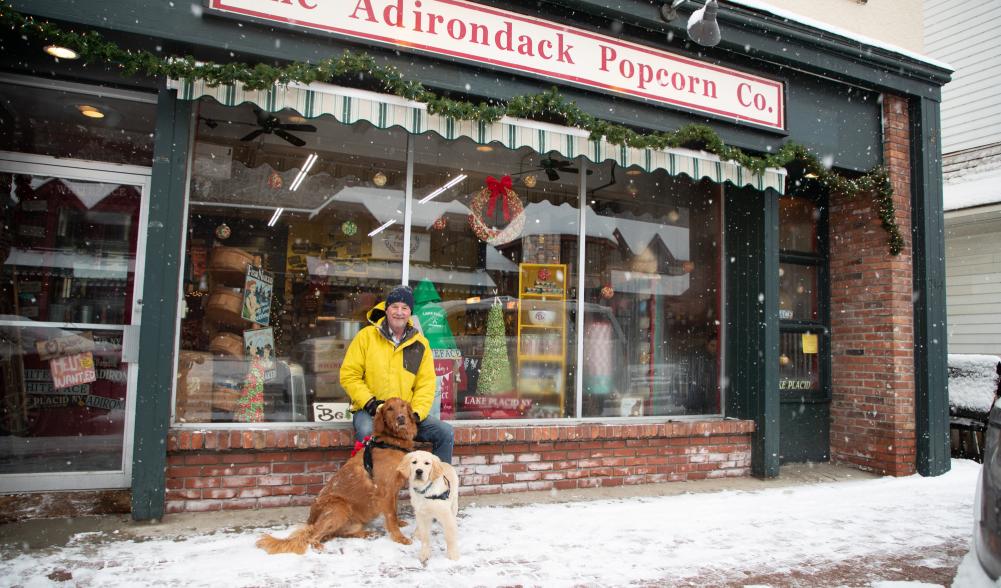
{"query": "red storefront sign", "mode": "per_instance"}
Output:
(485, 35)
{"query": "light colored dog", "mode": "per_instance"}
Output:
(434, 494)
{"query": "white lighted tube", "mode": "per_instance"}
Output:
(448, 185)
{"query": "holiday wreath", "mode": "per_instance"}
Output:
(484, 204)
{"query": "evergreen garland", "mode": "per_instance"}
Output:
(354, 69)
(495, 370)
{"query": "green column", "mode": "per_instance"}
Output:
(159, 305)
(931, 394)
(752, 316)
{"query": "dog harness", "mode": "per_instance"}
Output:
(368, 444)
(443, 496)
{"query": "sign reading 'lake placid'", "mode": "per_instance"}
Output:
(535, 46)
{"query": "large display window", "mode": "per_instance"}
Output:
(296, 228)
(652, 295)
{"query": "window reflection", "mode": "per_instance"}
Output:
(493, 259)
(797, 292)
(45, 121)
(488, 221)
(652, 295)
(798, 218)
(315, 209)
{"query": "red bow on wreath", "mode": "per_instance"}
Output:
(499, 188)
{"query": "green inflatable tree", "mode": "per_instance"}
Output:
(495, 371)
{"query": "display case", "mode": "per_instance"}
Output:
(542, 336)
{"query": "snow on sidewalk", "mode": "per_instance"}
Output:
(646, 541)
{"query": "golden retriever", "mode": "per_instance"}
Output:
(434, 494)
(355, 496)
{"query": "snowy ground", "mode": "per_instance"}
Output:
(873, 532)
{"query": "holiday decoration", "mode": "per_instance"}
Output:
(250, 404)
(495, 371)
(549, 105)
(447, 357)
(275, 181)
(222, 232)
(498, 195)
(349, 228)
(543, 274)
(607, 292)
(440, 224)
(530, 180)
(379, 179)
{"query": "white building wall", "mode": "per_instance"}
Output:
(964, 34)
(973, 280)
(897, 22)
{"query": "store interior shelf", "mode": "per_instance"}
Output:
(542, 333)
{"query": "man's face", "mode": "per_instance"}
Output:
(398, 314)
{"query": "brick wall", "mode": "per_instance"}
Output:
(218, 470)
(872, 333)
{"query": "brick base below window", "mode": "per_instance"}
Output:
(222, 470)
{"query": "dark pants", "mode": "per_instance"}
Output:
(438, 433)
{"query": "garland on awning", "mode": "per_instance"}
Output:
(354, 69)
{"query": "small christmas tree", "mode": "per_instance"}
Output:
(495, 371)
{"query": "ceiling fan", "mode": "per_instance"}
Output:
(553, 167)
(272, 125)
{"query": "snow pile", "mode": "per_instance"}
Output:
(973, 381)
(697, 539)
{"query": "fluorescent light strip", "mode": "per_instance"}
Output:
(450, 183)
(384, 226)
(310, 160)
(274, 217)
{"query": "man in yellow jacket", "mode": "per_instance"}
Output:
(391, 358)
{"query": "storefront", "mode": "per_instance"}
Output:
(182, 276)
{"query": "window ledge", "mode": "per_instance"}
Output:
(326, 436)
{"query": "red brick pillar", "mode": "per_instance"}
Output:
(872, 320)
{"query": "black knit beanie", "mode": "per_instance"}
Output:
(401, 293)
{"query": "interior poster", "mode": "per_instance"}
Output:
(260, 344)
(257, 290)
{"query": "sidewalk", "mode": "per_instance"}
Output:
(47, 533)
(816, 525)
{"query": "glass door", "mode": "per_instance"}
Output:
(71, 250)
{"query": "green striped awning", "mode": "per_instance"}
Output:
(349, 106)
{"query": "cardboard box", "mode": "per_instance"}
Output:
(327, 387)
(323, 354)
(194, 387)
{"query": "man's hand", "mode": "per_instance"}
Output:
(372, 406)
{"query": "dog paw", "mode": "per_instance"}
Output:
(454, 556)
(403, 540)
(402, 523)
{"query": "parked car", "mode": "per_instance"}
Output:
(987, 505)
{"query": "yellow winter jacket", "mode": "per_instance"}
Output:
(374, 366)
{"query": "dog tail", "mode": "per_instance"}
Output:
(297, 542)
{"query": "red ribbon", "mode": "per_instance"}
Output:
(499, 188)
(359, 445)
